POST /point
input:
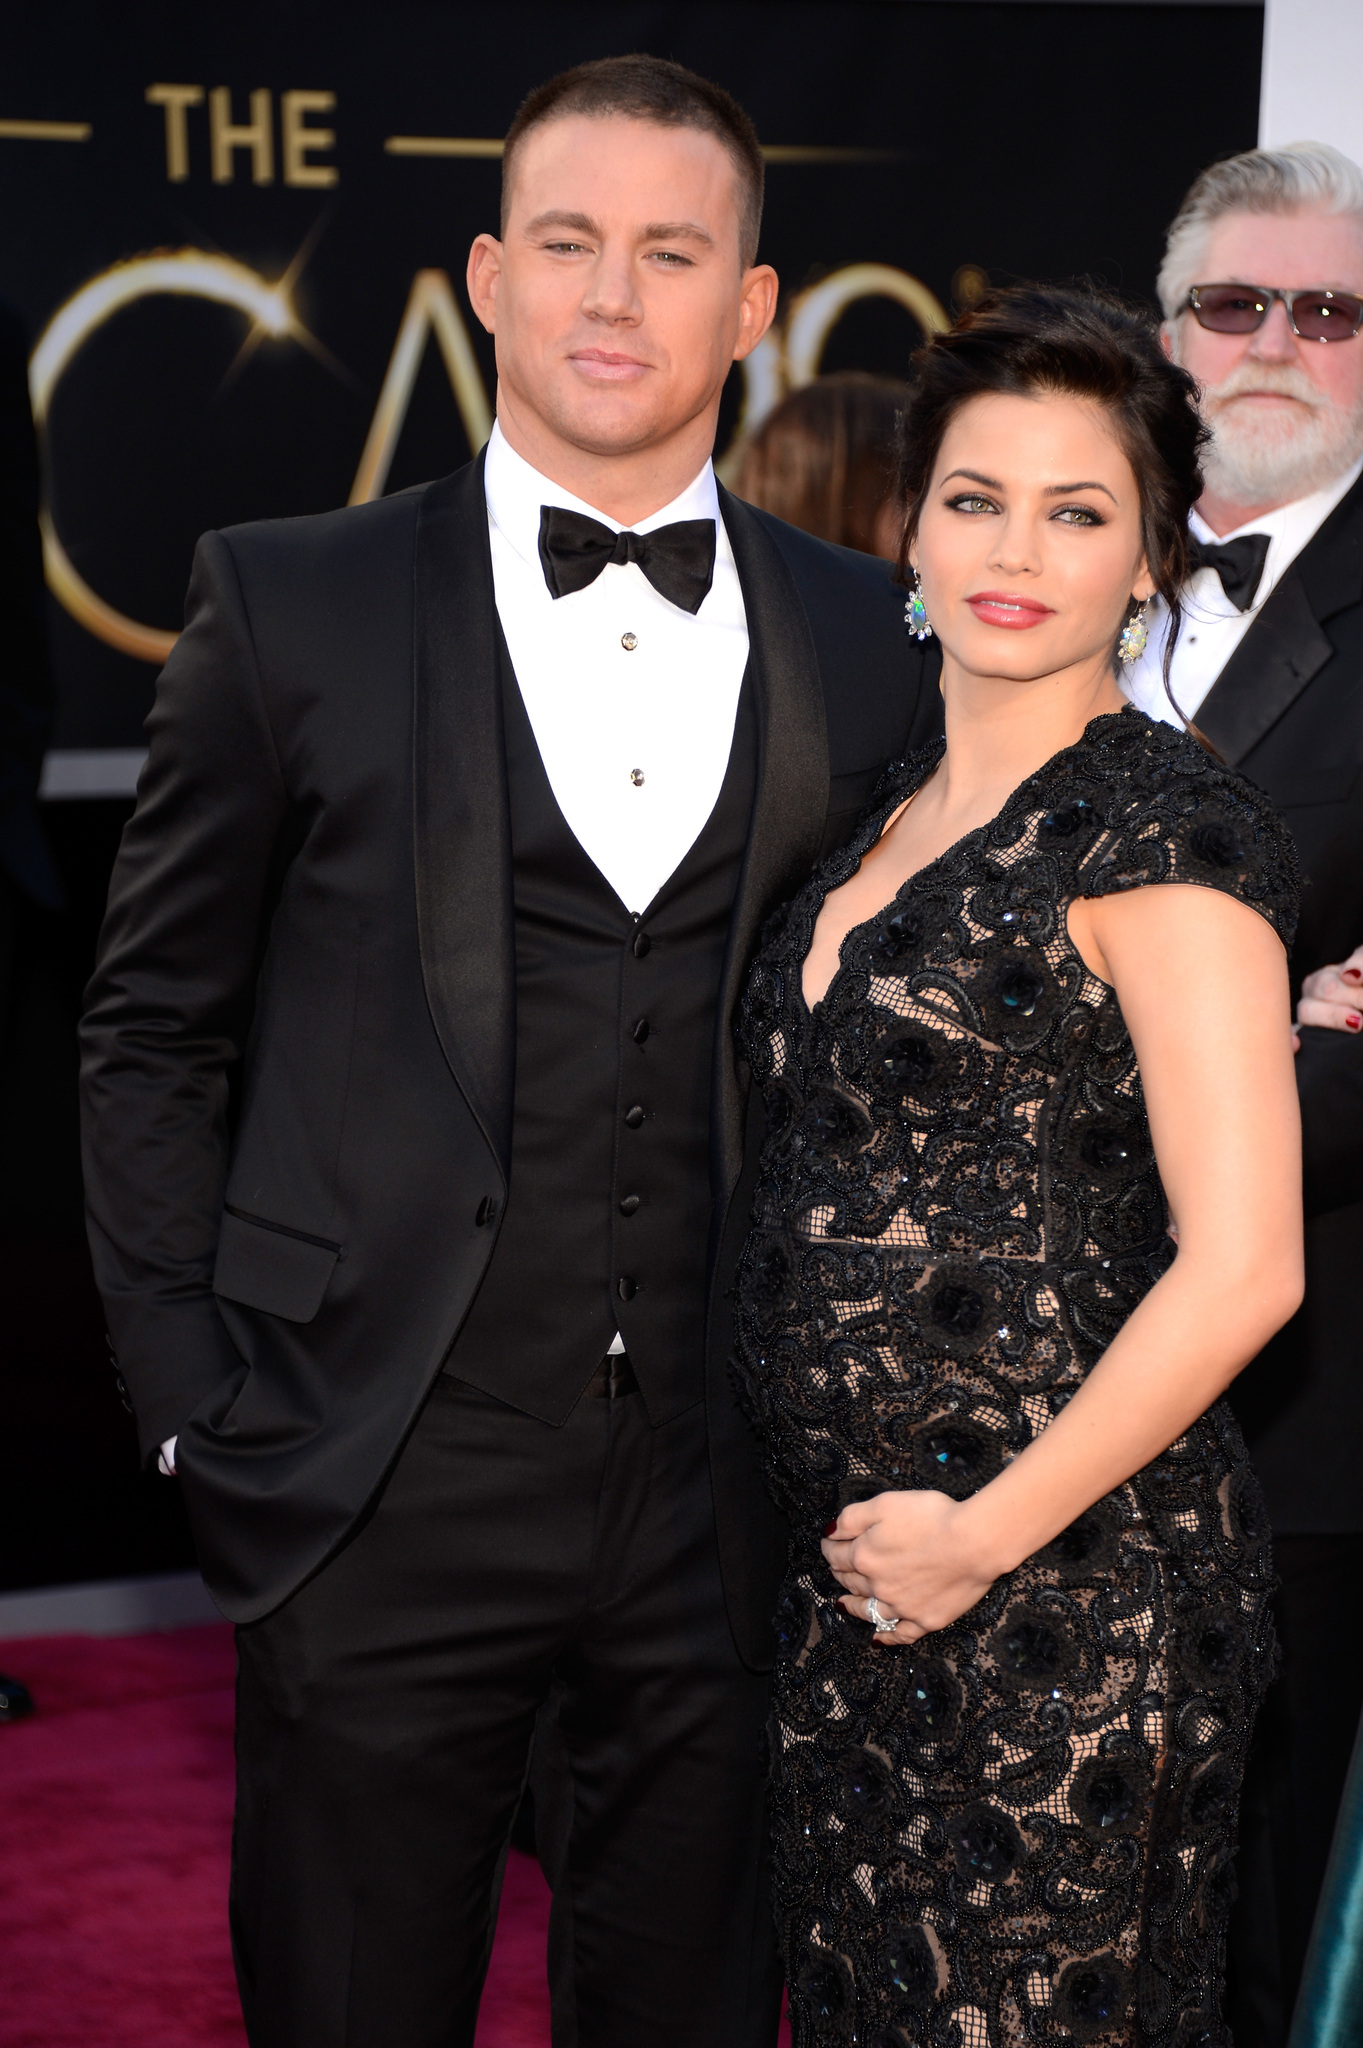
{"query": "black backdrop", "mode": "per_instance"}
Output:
(1009, 140)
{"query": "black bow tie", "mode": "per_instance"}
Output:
(1239, 564)
(678, 560)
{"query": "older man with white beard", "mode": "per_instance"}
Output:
(1262, 291)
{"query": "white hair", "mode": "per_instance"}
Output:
(1298, 176)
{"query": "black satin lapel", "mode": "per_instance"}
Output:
(1274, 662)
(465, 911)
(791, 797)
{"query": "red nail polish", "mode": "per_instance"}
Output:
(1353, 1020)
(1352, 974)
(831, 1529)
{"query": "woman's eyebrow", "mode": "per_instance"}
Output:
(973, 476)
(1063, 490)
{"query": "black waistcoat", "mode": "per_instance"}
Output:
(607, 1219)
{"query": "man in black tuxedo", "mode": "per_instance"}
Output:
(416, 1138)
(1262, 288)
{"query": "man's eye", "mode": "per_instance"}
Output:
(1080, 515)
(565, 248)
(672, 258)
(972, 502)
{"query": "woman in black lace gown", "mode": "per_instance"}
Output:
(1036, 1011)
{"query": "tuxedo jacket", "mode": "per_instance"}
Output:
(1287, 711)
(299, 1048)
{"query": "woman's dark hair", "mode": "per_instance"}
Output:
(1088, 345)
(824, 458)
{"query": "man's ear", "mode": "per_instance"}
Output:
(482, 277)
(757, 308)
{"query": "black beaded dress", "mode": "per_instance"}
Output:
(1020, 1829)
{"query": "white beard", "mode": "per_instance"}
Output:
(1260, 457)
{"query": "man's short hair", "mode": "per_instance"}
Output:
(643, 88)
(1298, 176)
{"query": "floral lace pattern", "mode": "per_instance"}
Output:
(1019, 1830)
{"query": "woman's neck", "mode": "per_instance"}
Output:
(999, 732)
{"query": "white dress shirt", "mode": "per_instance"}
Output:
(1212, 627)
(635, 739)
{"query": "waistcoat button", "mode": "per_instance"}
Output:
(642, 944)
(628, 1204)
(487, 1209)
(640, 1031)
(628, 1288)
(634, 1117)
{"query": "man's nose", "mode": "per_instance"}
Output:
(612, 293)
(1274, 342)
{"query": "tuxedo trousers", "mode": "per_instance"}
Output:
(512, 1573)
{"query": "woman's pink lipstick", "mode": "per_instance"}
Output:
(1006, 608)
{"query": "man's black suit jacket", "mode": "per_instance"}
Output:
(1287, 710)
(299, 1047)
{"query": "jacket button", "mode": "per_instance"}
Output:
(642, 944)
(629, 1204)
(628, 1288)
(634, 1117)
(640, 1031)
(487, 1209)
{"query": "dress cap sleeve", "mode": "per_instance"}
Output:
(1179, 815)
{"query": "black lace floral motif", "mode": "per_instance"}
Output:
(1020, 1830)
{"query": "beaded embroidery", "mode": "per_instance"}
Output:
(1023, 1824)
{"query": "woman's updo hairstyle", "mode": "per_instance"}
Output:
(1030, 341)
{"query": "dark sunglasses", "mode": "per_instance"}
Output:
(1241, 308)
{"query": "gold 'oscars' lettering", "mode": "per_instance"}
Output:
(816, 312)
(299, 140)
(185, 273)
(788, 357)
(430, 307)
(175, 99)
(225, 137)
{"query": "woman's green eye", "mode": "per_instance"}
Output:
(1080, 515)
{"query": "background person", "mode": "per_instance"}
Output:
(824, 459)
(411, 1101)
(1262, 290)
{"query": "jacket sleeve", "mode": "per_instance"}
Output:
(170, 1003)
(1330, 1089)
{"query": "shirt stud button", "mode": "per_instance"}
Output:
(629, 641)
(640, 1031)
(634, 1116)
(643, 944)
(629, 1204)
(636, 776)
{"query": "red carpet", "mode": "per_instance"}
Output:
(113, 1877)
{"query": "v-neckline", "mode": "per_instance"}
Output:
(812, 1010)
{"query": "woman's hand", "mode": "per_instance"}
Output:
(920, 1556)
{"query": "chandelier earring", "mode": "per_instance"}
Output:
(916, 619)
(1131, 645)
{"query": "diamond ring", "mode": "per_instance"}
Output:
(881, 1623)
